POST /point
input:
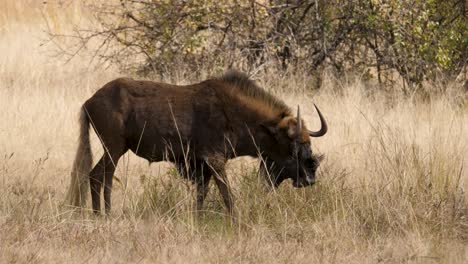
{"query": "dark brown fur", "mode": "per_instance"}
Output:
(205, 124)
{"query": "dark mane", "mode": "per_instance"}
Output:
(249, 88)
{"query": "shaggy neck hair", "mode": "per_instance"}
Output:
(251, 94)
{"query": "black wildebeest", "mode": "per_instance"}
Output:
(198, 127)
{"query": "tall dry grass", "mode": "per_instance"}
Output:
(391, 189)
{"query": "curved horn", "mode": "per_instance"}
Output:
(299, 121)
(323, 125)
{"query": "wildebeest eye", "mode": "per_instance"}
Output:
(309, 163)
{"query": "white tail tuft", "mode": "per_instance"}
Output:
(79, 183)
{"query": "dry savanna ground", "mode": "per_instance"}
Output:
(391, 188)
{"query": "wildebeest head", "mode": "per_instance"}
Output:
(290, 154)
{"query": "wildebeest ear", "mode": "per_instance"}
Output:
(320, 158)
(292, 129)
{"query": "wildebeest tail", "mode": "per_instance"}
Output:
(79, 183)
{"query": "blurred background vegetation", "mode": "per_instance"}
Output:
(387, 41)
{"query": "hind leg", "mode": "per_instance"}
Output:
(102, 174)
(96, 179)
(109, 176)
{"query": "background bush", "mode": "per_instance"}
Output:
(386, 39)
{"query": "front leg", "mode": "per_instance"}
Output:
(217, 167)
(202, 188)
(200, 174)
(225, 190)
